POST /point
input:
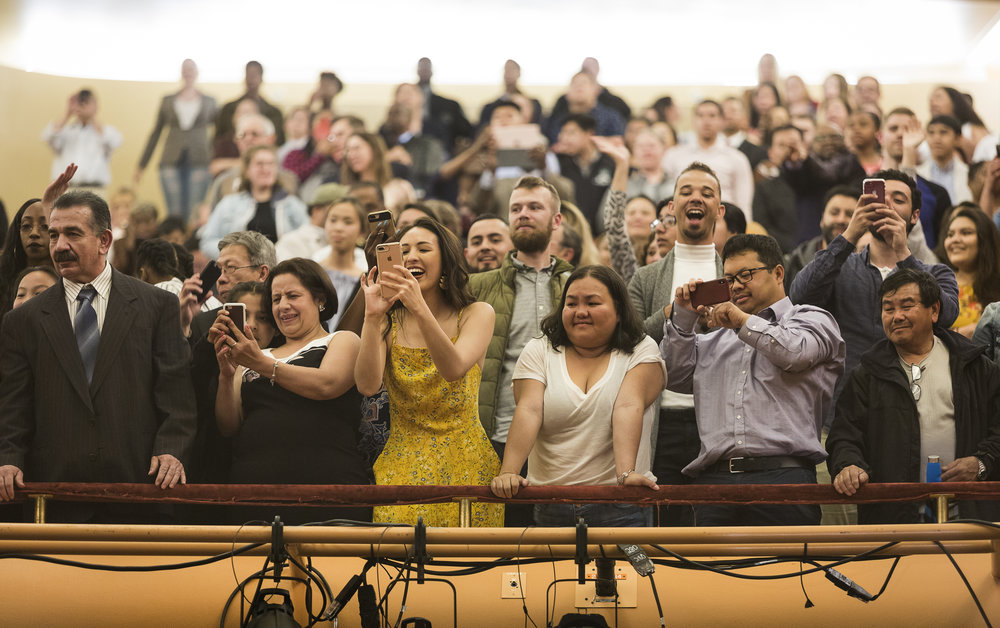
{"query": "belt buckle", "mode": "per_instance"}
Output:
(731, 470)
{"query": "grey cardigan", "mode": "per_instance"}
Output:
(194, 140)
(650, 292)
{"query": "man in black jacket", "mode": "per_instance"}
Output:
(921, 391)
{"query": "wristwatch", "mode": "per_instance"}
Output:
(982, 470)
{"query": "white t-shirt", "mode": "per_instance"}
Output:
(575, 444)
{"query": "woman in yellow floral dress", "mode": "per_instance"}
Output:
(427, 339)
(971, 247)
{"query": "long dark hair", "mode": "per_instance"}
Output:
(986, 284)
(454, 277)
(961, 107)
(13, 259)
(629, 330)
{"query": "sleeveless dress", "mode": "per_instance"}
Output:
(286, 438)
(435, 438)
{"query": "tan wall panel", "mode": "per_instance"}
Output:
(925, 591)
(28, 101)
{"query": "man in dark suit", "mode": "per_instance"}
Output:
(95, 385)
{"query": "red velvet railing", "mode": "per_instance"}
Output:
(339, 495)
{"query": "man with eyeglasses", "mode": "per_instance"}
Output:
(243, 256)
(762, 383)
(921, 391)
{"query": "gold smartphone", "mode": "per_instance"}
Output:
(387, 256)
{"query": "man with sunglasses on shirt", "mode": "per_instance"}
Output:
(921, 391)
(762, 382)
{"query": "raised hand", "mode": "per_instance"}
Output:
(58, 187)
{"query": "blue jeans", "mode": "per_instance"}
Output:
(595, 515)
(764, 515)
(184, 187)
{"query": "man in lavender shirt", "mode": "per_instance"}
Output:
(762, 383)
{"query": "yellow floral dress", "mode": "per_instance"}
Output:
(969, 308)
(435, 437)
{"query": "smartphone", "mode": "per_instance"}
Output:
(376, 217)
(209, 276)
(238, 314)
(876, 187)
(387, 255)
(711, 293)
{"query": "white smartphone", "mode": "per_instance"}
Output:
(238, 314)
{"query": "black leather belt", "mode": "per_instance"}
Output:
(764, 463)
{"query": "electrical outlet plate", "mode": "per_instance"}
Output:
(627, 583)
(513, 585)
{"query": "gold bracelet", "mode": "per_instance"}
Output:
(274, 372)
(624, 476)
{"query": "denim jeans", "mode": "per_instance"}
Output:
(763, 515)
(595, 515)
(184, 187)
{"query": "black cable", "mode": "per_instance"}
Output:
(548, 622)
(656, 598)
(968, 586)
(887, 578)
(988, 524)
(520, 584)
(802, 583)
(706, 567)
(245, 615)
(402, 603)
(388, 588)
(554, 577)
(350, 522)
(454, 595)
(325, 593)
(134, 568)
(232, 562)
(259, 575)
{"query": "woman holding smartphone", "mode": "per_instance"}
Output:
(426, 338)
(293, 411)
(587, 393)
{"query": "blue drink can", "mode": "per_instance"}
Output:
(933, 468)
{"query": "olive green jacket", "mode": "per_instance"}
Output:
(496, 287)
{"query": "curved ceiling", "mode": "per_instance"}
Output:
(639, 42)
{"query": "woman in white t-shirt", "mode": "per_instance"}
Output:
(587, 393)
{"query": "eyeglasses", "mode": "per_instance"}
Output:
(915, 371)
(669, 221)
(229, 269)
(745, 276)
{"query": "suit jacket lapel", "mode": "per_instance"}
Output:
(59, 330)
(118, 320)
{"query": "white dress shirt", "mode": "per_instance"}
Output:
(101, 283)
(85, 147)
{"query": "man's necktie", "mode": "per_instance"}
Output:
(88, 337)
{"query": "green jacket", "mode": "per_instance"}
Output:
(496, 287)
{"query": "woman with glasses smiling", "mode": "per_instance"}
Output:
(261, 205)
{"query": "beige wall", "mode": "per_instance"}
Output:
(28, 101)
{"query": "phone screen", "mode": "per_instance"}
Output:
(711, 293)
(238, 314)
(209, 276)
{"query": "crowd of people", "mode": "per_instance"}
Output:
(792, 291)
